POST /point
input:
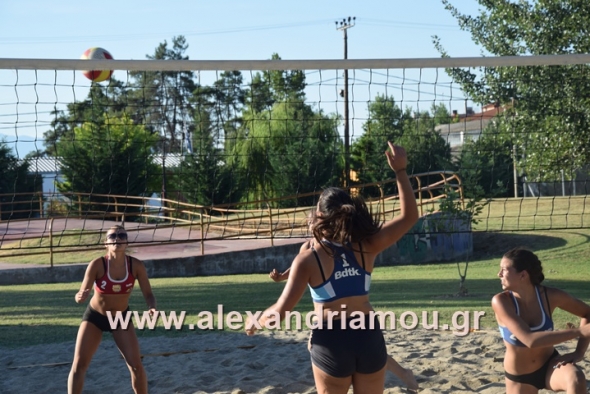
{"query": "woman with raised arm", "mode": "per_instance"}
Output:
(113, 277)
(337, 269)
(523, 312)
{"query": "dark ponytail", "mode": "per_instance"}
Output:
(342, 218)
(525, 260)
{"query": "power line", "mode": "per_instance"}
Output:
(134, 37)
(406, 24)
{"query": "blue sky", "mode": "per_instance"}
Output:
(238, 30)
(224, 29)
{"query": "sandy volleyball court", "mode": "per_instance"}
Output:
(269, 362)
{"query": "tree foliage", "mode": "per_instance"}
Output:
(486, 165)
(427, 150)
(239, 141)
(202, 176)
(548, 110)
(100, 103)
(111, 158)
(299, 154)
(16, 179)
(161, 100)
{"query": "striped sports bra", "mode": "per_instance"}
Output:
(546, 323)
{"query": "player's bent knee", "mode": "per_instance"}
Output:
(576, 378)
(572, 379)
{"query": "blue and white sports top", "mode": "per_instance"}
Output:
(546, 323)
(348, 279)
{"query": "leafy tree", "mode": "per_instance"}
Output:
(486, 165)
(307, 153)
(287, 150)
(427, 150)
(229, 98)
(101, 102)
(548, 113)
(273, 86)
(218, 112)
(201, 178)
(440, 114)
(16, 179)
(283, 147)
(111, 158)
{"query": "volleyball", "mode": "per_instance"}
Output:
(97, 54)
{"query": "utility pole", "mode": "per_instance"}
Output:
(344, 25)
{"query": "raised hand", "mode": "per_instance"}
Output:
(396, 157)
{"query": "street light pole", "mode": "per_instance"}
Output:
(344, 25)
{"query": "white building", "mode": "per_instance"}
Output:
(468, 126)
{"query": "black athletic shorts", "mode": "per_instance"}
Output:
(98, 319)
(536, 378)
(342, 352)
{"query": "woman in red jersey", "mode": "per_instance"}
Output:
(114, 277)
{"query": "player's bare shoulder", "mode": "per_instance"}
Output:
(96, 265)
(304, 260)
(137, 266)
(136, 262)
(500, 300)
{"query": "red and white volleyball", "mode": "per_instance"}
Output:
(97, 54)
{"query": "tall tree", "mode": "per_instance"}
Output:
(223, 102)
(161, 99)
(273, 86)
(548, 115)
(283, 147)
(201, 178)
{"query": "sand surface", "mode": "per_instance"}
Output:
(269, 362)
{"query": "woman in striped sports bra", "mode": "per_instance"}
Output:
(348, 348)
(404, 374)
(523, 312)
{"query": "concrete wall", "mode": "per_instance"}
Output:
(241, 262)
(429, 241)
(436, 237)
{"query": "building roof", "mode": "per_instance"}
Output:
(42, 165)
(472, 122)
(462, 126)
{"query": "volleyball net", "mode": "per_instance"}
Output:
(234, 149)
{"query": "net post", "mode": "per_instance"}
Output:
(202, 232)
(51, 243)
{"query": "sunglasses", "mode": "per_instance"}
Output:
(113, 236)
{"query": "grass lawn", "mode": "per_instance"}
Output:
(35, 314)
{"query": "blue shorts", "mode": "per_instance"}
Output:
(343, 352)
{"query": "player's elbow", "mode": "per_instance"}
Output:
(413, 216)
(410, 218)
(532, 342)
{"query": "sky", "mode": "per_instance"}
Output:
(231, 29)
